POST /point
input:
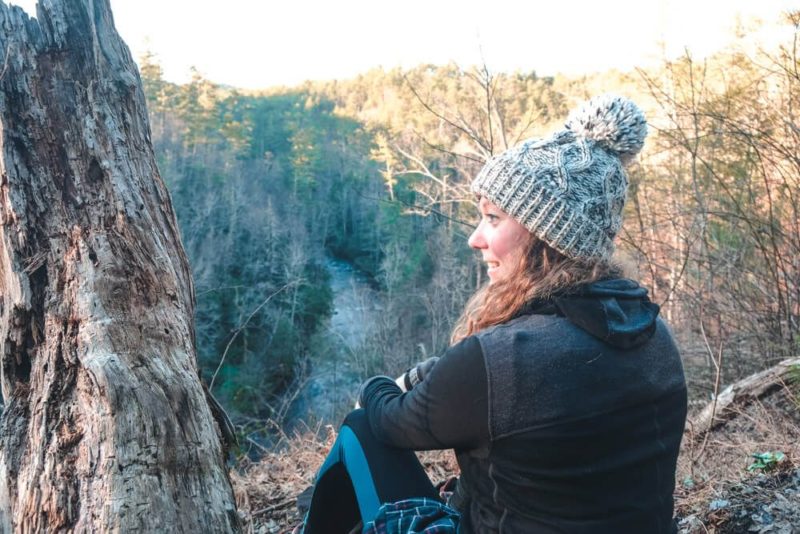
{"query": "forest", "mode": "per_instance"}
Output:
(285, 244)
(374, 171)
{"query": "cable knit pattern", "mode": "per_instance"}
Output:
(569, 189)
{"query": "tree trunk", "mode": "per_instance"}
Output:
(106, 427)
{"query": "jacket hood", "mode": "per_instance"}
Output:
(615, 311)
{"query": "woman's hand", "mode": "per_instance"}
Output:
(407, 380)
(364, 386)
(416, 374)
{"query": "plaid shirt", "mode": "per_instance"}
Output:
(414, 516)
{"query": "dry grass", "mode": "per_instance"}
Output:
(712, 471)
(266, 491)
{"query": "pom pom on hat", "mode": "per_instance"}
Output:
(613, 122)
(569, 189)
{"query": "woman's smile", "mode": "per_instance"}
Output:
(500, 239)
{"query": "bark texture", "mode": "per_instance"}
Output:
(105, 427)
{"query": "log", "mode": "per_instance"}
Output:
(105, 425)
(743, 392)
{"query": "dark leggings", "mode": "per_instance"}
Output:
(359, 474)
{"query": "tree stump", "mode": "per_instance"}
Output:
(105, 426)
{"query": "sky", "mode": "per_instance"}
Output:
(261, 43)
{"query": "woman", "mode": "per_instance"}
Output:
(563, 393)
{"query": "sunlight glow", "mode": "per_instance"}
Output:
(252, 44)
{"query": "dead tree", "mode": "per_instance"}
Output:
(745, 391)
(105, 426)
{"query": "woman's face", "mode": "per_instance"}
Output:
(501, 240)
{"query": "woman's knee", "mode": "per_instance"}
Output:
(357, 422)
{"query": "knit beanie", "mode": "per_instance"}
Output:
(569, 189)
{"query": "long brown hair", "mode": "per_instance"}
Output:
(541, 273)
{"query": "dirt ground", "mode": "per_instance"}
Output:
(715, 492)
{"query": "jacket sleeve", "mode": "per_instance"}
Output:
(449, 409)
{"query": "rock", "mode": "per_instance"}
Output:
(718, 504)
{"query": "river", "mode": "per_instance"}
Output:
(333, 378)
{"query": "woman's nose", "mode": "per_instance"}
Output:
(476, 239)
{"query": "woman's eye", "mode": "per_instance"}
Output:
(491, 217)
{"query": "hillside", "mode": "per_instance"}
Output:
(271, 187)
(715, 492)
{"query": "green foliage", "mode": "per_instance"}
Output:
(766, 461)
(314, 299)
(261, 291)
(375, 171)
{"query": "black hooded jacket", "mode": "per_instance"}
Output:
(567, 418)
